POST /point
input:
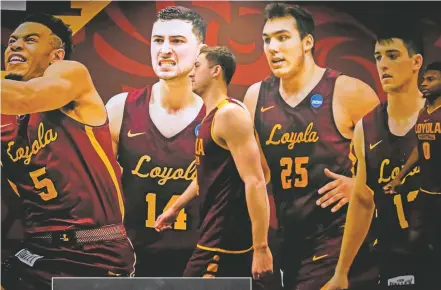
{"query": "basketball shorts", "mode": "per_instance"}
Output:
(35, 264)
(161, 263)
(310, 264)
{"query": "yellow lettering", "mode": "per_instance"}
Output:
(178, 174)
(199, 146)
(164, 174)
(292, 138)
(273, 131)
(438, 128)
(44, 138)
(382, 178)
(141, 160)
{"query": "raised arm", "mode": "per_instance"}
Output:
(234, 128)
(62, 83)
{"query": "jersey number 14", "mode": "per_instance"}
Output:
(150, 198)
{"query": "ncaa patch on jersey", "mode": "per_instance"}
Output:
(196, 130)
(316, 101)
(27, 257)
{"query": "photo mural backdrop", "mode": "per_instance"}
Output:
(113, 40)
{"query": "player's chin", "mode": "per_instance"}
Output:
(282, 72)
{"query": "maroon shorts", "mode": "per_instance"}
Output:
(163, 263)
(425, 222)
(209, 264)
(34, 265)
(217, 264)
(309, 265)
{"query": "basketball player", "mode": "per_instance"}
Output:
(153, 132)
(230, 181)
(305, 117)
(383, 139)
(425, 221)
(58, 153)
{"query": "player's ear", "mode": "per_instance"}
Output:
(216, 71)
(308, 43)
(417, 61)
(56, 55)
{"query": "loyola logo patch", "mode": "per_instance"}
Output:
(401, 280)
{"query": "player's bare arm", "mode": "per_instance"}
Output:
(250, 101)
(166, 219)
(62, 83)
(234, 128)
(115, 111)
(391, 187)
(353, 99)
(358, 220)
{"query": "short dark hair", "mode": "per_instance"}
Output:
(304, 19)
(186, 14)
(408, 33)
(220, 55)
(58, 27)
(434, 66)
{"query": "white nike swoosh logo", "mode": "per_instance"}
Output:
(5, 125)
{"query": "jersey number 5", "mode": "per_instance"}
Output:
(180, 223)
(302, 180)
(48, 189)
(400, 210)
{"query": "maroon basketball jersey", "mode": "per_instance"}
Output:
(299, 143)
(225, 222)
(65, 172)
(428, 130)
(156, 171)
(385, 154)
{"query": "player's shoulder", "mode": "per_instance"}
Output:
(350, 85)
(252, 92)
(117, 100)
(66, 68)
(233, 114)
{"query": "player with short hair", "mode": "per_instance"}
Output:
(305, 117)
(153, 132)
(58, 153)
(230, 181)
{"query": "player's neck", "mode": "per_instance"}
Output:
(298, 86)
(406, 103)
(213, 95)
(435, 104)
(175, 95)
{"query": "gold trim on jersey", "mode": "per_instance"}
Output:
(223, 250)
(429, 192)
(14, 187)
(433, 109)
(96, 145)
(218, 106)
(352, 157)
